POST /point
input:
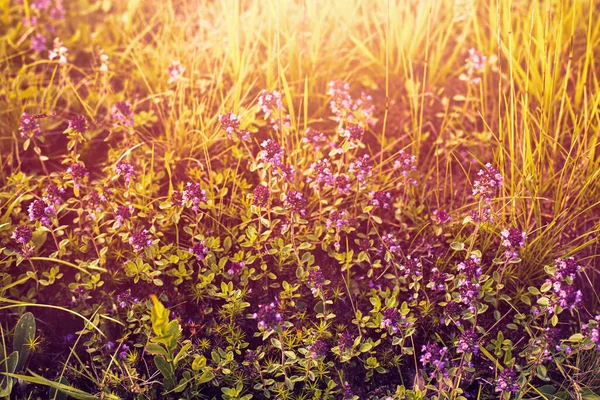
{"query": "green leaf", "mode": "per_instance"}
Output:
(24, 335)
(156, 349)
(57, 394)
(365, 347)
(542, 372)
(207, 376)
(227, 243)
(589, 395)
(576, 338)
(457, 246)
(534, 291)
(545, 287)
(547, 389)
(165, 369)
(182, 353)
(199, 363)
(543, 301)
(159, 316)
(39, 380)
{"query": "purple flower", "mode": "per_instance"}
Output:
(366, 108)
(468, 293)
(140, 239)
(244, 135)
(391, 243)
(513, 240)
(566, 269)
(563, 293)
(57, 12)
(405, 163)
(93, 202)
(440, 217)
(261, 196)
(236, 266)
(353, 132)
(286, 172)
(475, 65)
(229, 122)
(471, 267)
(122, 214)
(320, 174)
(123, 298)
(361, 168)
(295, 201)
(345, 341)
(121, 113)
(381, 199)
(79, 124)
(53, 194)
(195, 194)
(315, 138)
(566, 296)
(488, 183)
(507, 381)
(41, 4)
(476, 60)
(32, 21)
(437, 358)
(123, 352)
(393, 320)
(272, 153)
(175, 71)
(437, 282)
(317, 349)
(341, 101)
(58, 51)
(337, 220)
(348, 393)
(40, 211)
(316, 280)
(268, 317)
(27, 251)
(38, 42)
(269, 102)
(199, 250)
(468, 286)
(29, 126)
(68, 338)
(486, 215)
(452, 312)
(124, 169)
(410, 267)
(591, 330)
(467, 343)
(78, 173)
(22, 234)
(341, 183)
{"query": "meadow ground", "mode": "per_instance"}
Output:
(343, 199)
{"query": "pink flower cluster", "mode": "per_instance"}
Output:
(346, 109)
